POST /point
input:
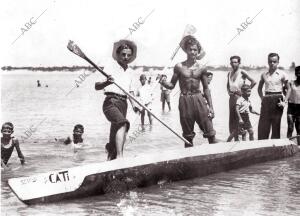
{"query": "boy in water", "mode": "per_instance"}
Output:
(243, 107)
(293, 99)
(8, 143)
(77, 140)
(145, 95)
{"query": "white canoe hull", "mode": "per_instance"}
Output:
(141, 171)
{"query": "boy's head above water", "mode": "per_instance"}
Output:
(143, 79)
(7, 129)
(246, 90)
(78, 130)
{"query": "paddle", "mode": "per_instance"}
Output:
(76, 50)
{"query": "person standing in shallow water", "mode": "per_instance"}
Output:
(272, 106)
(192, 105)
(235, 80)
(38, 83)
(115, 103)
(293, 100)
(165, 95)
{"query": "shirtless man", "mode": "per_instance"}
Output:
(192, 105)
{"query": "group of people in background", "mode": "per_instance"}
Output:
(195, 103)
(278, 92)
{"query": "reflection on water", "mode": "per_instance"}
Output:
(271, 188)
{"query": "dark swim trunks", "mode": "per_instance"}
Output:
(115, 110)
(247, 124)
(193, 108)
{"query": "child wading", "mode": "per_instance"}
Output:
(243, 107)
(8, 143)
(145, 96)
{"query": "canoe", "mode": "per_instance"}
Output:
(144, 170)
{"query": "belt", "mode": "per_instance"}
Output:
(191, 92)
(273, 93)
(235, 93)
(119, 96)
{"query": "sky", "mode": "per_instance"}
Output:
(96, 25)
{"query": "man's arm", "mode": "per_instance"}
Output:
(288, 93)
(228, 89)
(20, 155)
(246, 75)
(207, 95)
(260, 86)
(174, 79)
(102, 85)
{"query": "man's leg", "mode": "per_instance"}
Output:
(251, 134)
(233, 119)
(290, 122)
(264, 123)
(169, 105)
(143, 117)
(120, 140)
(276, 123)
(150, 117)
(187, 120)
(297, 124)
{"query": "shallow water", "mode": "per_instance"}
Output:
(271, 188)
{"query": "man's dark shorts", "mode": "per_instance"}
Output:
(115, 110)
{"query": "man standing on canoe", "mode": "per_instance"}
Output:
(271, 106)
(115, 103)
(192, 105)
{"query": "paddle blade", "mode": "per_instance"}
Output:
(189, 30)
(75, 49)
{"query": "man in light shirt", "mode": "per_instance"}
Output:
(115, 103)
(272, 106)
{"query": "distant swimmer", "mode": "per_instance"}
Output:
(38, 83)
(243, 107)
(144, 93)
(8, 143)
(46, 86)
(76, 141)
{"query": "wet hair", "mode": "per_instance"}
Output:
(245, 87)
(191, 42)
(297, 69)
(9, 124)
(236, 57)
(79, 126)
(124, 46)
(143, 76)
(273, 55)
